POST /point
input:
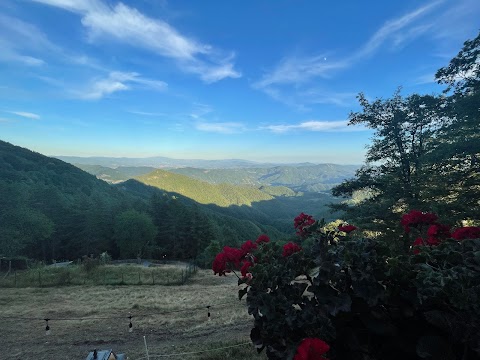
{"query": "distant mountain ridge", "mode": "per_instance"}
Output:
(298, 177)
(160, 162)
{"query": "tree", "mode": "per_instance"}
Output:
(425, 151)
(394, 172)
(134, 231)
(456, 155)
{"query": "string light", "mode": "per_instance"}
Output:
(47, 328)
(130, 326)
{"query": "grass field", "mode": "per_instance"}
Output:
(172, 318)
(124, 274)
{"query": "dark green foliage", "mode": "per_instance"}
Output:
(425, 151)
(367, 301)
(134, 232)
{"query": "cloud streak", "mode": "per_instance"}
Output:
(299, 71)
(25, 114)
(221, 127)
(117, 81)
(313, 125)
(129, 26)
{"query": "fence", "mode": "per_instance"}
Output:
(99, 275)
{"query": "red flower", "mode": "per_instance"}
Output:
(262, 239)
(312, 349)
(347, 228)
(415, 218)
(433, 241)
(290, 248)
(248, 246)
(439, 231)
(233, 255)
(219, 265)
(467, 232)
(245, 267)
(301, 222)
(418, 242)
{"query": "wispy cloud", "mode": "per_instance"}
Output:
(22, 42)
(128, 25)
(299, 71)
(313, 125)
(221, 127)
(25, 114)
(146, 113)
(117, 81)
(200, 110)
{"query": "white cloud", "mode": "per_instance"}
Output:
(25, 114)
(22, 43)
(221, 127)
(145, 113)
(128, 25)
(295, 70)
(117, 81)
(298, 71)
(396, 27)
(313, 125)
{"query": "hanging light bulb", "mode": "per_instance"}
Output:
(47, 328)
(208, 314)
(130, 325)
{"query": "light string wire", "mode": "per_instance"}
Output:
(208, 307)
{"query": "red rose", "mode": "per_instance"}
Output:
(467, 232)
(290, 248)
(219, 265)
(439, 231)
(262, 239)
(347, 228)
(415, 218)
(245, 267)
(301, 222)
(312, 349)
(418, 242)
(248, 246)
(233, 255)
(433, 241)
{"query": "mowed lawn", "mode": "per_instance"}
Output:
(173, 320)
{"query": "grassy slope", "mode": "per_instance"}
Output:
(203, 192)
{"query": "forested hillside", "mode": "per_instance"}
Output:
(53, 210)
(301, 177)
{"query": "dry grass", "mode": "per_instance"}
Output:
(159, 314)
(125, 274)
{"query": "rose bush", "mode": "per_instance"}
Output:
(349, 297)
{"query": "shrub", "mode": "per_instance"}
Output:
(359, 297)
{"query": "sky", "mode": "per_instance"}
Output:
(269, 81)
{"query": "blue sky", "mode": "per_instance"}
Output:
(258, 80)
